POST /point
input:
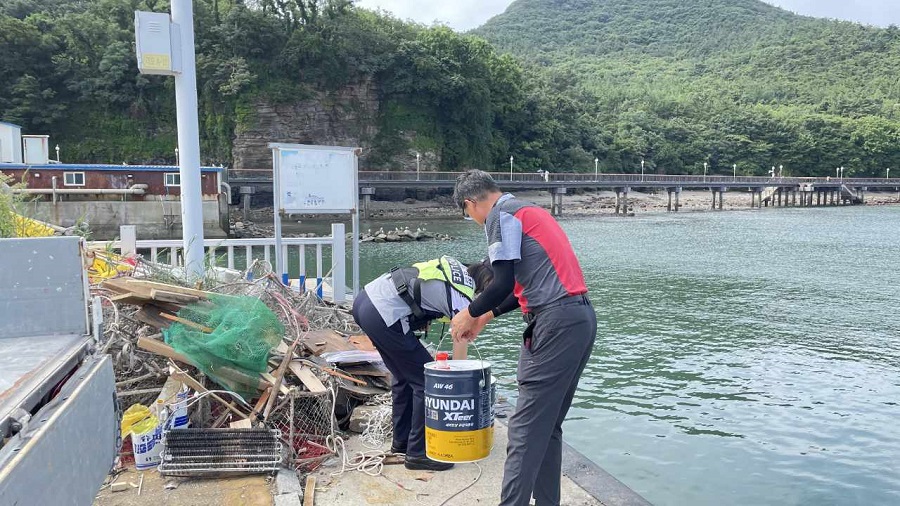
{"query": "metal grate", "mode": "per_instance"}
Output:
(204, 452)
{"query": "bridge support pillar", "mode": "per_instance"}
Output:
(793, 198)
(678, 198)
(246, 193)
(780, 193)
(714, 199)
(367, 194)
(669, 205)
(818, 198)
(622, 200)
(556, 198)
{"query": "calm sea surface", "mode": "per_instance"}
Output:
(742, 358)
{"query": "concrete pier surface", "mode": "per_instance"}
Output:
(583, 483)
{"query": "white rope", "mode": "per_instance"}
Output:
(377, 427)
(371, 463)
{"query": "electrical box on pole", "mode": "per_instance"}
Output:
(158, 44)
(165, 46)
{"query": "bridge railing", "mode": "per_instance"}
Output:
(631, 179)
(241, 253)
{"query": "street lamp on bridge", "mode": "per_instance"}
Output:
(510, 168)
(418, 157)
(781, 171)
(735, 172)
(642, 170)
(842, 174)
(887, 173)
(596, 169)
(705, 165)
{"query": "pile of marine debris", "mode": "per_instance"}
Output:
(256, 366)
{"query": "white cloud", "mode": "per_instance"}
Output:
(460, 15)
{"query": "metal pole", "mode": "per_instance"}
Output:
(280, 261)
(704, 171)
(189, 143)
(510, 168)
(418, 156)
(355, 226)
(596, 169)
(735, 172)
(642, 170)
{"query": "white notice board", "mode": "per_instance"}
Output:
(315, 179)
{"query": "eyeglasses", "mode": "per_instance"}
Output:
(465, 211)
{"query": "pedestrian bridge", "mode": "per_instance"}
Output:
(765, 190)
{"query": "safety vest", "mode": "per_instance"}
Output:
(408, 282)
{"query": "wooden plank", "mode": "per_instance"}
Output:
(162, 349)
(279, 375)
(271, 379)
(333, 342)
(309, 492)
(240, 424)
(309, 379)
(177, 298)
(143, 286)
(151, 315)
(261, 403)
(362, 342)
(188, 323)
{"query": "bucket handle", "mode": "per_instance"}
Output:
(484, 380)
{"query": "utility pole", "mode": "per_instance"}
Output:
(189, 143)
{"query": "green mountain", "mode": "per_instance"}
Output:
(557, 85)
(725, 81)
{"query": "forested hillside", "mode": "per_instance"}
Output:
(554, 83)
(69, 70)
(724, 81)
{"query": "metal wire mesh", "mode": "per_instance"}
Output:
(305, 420)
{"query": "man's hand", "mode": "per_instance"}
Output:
(464, 327)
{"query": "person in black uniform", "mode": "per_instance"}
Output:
(389, 310)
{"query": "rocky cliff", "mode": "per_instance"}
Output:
(347, 117)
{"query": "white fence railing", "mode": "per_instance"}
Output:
(240, 254)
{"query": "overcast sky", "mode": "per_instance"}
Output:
(467, 14)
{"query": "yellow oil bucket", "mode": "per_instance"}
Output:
(459, 411)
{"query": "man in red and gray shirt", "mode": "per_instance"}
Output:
(536, 269)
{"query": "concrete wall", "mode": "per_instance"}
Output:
(154, 220)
